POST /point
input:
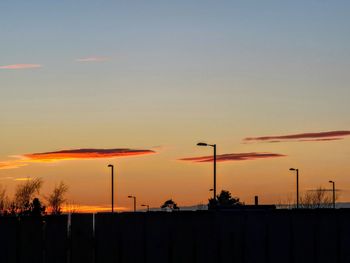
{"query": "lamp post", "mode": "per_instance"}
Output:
(297, 173)
(112, 174)
(147, 207)
(134, 197)
(214, 146)
(333, 186)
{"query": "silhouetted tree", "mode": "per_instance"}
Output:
(223, 200)
(319, 198)
(56, 198)
(3, 201)
(24, 195)
(36, 208)
(170, 205)
(72, 207)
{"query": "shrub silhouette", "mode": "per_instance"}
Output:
(170, 205)
(224, 200)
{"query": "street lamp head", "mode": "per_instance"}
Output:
(130, 196)
(331, 182)
(110, 165)
(202, 144)
(292, 169)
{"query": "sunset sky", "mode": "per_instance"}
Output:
(138, 84)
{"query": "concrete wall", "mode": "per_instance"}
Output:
(291, 236)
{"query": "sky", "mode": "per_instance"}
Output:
(138, 84)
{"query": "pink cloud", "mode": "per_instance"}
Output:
(92, 59)
(21, 66)
(233, 157)
(315, 136)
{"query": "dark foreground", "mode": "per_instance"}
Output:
(279, 236)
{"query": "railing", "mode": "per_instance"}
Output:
(179, 237)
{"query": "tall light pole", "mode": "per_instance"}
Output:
(333, 184)
(147, 207)
(297, 173)
(214, 146)
(134, 197)
(112, 173)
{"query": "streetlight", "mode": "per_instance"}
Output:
(297, 173)
(214, 146)
(333, 184)
(147, 207)
(134, 197)
(112, 173)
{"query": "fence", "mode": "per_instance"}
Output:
(291, 236)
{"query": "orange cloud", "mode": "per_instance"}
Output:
(21, 66)
(314, 136)
(23, 179)
(92, 59)
(84, 154)
(233, 157)
(75, 154)
(11, 164)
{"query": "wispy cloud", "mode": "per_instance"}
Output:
(74, 154)
(322, 140)
(12, 164)
(16, 178)
(92, 59)
(302, 137)
(233, 157)
(23, 179)
(21, 66)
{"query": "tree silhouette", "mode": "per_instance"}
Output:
(37, 209)
(56, 198)
(170, 205)
(24, 195)
(3, 200)
(224, 200)
(318, 198)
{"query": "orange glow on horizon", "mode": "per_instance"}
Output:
(68, 208)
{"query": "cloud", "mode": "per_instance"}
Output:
(23, 179)
(301, 137)
(92, 59)
(74, 154)
(233, 157)
(21, 66)
(16, 178)
(322, 140)
(13, 164)
(84, 154)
